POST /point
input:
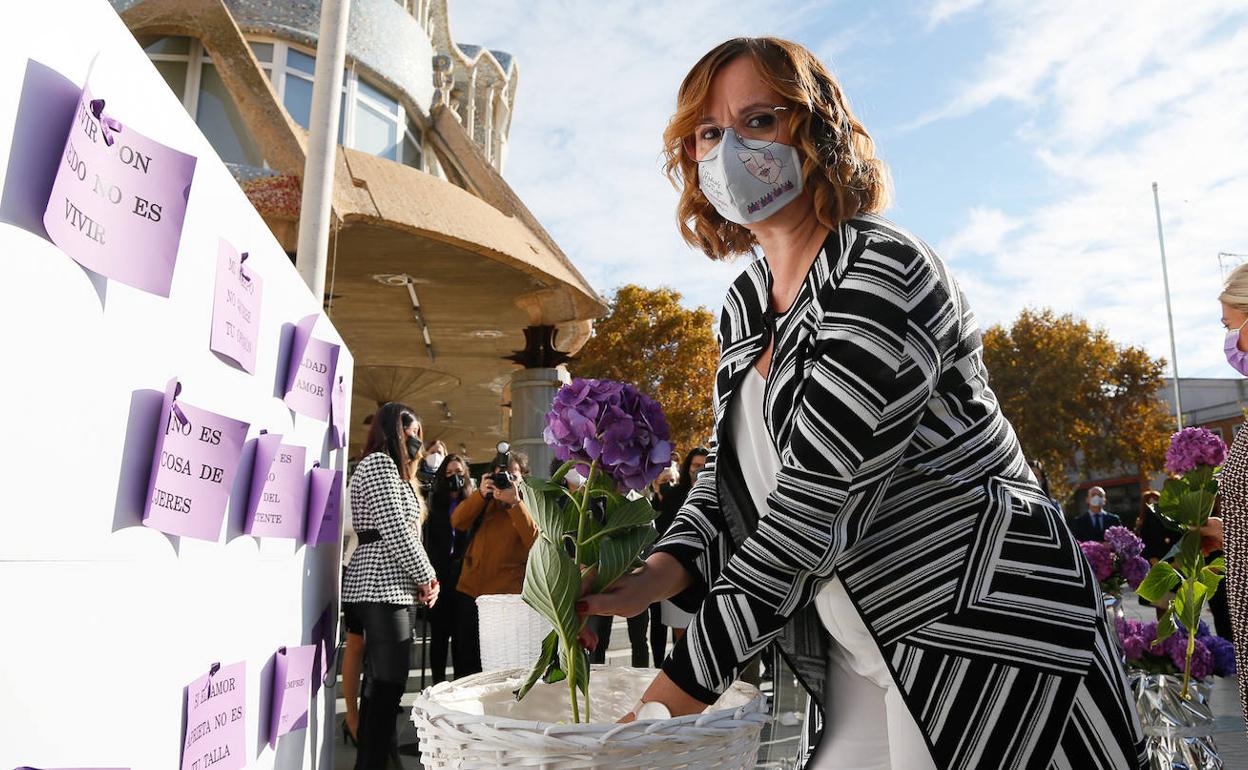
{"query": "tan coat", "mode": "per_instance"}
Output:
(498, 552)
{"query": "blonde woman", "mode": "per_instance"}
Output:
(1232, 530)
(865, 488)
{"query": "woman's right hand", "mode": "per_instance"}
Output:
(661, 577)
(427, 593)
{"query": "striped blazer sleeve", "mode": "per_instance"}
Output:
(386, 496)
(875, 362)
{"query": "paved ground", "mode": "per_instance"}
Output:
(780, 737)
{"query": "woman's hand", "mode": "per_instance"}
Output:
(427, 593)
(1211, 536)
(665, 691)
(662, 576)
(509, 496)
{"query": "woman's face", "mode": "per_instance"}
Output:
(1233, 318)
(412, 430)
(737, 91)
(695, 466)
(454, 468)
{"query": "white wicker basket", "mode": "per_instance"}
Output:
(511, 632)
(475, 723)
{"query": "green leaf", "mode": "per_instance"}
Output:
(1193, 595)
(618, 552)
(549, 645)
(589, 549)
(552, 584)
(542, 499)
(630, 513)
(1165, 626)
(582, 665)
(555, 674)
(1161, 579)
(1210, 579)
(1188, 561)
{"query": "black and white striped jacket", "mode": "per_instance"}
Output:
(901, 476)
(386, 570)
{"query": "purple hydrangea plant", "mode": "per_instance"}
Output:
(1211, 655)
(612, 424)
(1117, 560)
(619, 441)
(1193, 447)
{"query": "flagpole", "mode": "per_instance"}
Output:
(1165, 277)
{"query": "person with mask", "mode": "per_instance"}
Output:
(864, 487)
(499, 530)
(1092, 523)
(427, 470)
(388, 573)
(450, 625)
(1230, 532)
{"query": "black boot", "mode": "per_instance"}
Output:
(378, 707)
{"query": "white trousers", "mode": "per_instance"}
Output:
(866, 725)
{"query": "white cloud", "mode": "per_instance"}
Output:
(1118, 99)
(981, 235)
(944, 10)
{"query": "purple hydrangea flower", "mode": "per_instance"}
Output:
(1133, 647)
(1192, 447)
(613, 424)
(1134, 570)
(1202, 630)
(1148, 633)
(1124, 542)
(1223, 654)
(1100, 557)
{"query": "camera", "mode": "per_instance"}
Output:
(502, 480)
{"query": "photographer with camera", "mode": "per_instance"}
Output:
(499, 529)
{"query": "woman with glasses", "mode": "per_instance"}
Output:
(866, 505)
(388, 573)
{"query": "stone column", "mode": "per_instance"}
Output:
(532, 390)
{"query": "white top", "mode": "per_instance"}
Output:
(854, 648)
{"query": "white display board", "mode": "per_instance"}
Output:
(104, 621)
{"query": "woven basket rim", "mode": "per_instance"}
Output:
(754, 710)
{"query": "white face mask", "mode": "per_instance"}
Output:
(434, 460)
(746, 185)
(1096, 500)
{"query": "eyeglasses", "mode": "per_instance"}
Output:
(757, 129)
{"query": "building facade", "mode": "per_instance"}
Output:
(442, 282)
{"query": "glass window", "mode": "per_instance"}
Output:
(412, 150)
(376, 133)
(174, 46)
(298, 99)
(263, 52)
(218, 118)
(372, 93)
(174, 73)
(300, 61)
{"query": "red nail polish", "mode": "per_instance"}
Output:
(582, 607)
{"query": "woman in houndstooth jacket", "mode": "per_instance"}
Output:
(389, 571)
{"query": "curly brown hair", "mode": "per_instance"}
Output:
(839, 164)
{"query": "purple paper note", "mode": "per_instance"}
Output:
(119, 199)
(324, 506)
(216, 734)
(324, 637)
(236, 308)
(338, 415)
(292, 686)
(193, 467)
(275, 505)
(310, 376)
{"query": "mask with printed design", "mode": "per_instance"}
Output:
(1237, 358)
(748, 184)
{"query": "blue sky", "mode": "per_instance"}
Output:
(1022, 137)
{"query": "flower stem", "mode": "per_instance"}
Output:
(1187, 667)
(574, 653)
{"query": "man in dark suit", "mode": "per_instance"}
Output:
(1092, 524)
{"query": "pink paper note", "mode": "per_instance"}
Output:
(292, 686)
(119, 199)
(338, 414)
(216, 734)
(236, 308)
(313, 366)
(275, 506)
(193, 467)
(324, 506)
